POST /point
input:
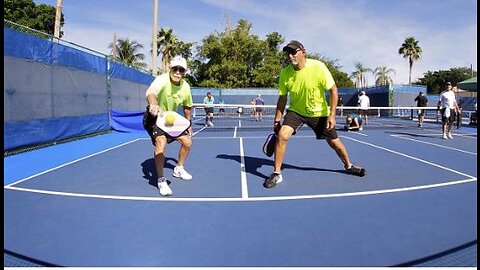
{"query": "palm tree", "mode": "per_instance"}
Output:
(359, 75)
(166, 42)
(412, 51)
(126, 51)
(382, 77)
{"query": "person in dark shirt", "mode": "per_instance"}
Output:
(459, 115)
(354, 122)
(258, 109)
(422, 101)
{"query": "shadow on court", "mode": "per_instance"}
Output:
(415, 135)
(252, 164)
(149, 172)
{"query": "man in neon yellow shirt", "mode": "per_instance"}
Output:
(168, 92)
(306, 81)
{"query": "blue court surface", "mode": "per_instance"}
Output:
(94, 202)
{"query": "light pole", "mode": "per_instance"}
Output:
(154, 38)
(58, 17)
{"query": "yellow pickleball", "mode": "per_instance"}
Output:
(169, 120)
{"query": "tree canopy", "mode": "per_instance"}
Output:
(231, 58)
(236, 58)
(435, 80)
(25, 12)
(127, 51)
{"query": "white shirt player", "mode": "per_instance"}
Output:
(447, 99)
(363, 101)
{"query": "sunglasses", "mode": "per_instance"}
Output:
(181, 69)
(292, 51)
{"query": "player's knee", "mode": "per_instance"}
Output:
(186, 143)
(160, 143)
(284, 135)
(335, 144)
(159, 150)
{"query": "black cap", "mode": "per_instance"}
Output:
(293, 45)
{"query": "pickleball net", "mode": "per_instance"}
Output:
(246, 116)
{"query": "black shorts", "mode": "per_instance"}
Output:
(149, 124)
(209, 110)
(452, 116)
(421, 112)
(317, 124)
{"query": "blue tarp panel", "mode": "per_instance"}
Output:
(120, 71)
(47, 130)
(124, 121)
(33, 48)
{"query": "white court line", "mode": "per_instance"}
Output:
(71, 162)
(237, 199)
(247, 137)
(243, 173)
(277, 198)
(196, 132)
(411, 157)
(466, 135)
(405, 137)
(357, 133)
(436, 134)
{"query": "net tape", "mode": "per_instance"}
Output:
(262, 116)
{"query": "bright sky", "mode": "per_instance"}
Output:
(365, 31)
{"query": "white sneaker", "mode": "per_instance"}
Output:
(449, 136)
(164, 188)
(180, 172)
(445, 136)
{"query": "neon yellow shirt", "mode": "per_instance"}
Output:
(306, 88)
(169, 95)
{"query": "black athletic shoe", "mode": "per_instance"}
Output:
(273, 180)
(356, 170)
